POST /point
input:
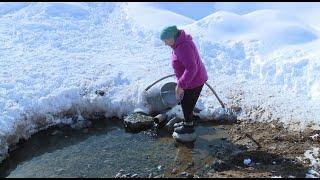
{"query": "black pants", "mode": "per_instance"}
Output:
(189, 101)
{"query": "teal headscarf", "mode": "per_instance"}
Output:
(169, 32)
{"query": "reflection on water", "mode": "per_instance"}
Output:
(105, 149)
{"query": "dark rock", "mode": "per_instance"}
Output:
(100, 92)
(138, 122)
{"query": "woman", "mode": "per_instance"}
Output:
(191, 75)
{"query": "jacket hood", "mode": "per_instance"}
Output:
(183, 37)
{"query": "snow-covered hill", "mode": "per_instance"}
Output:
(151, 18)
(54, 56)
(281, 77)
(285, 48)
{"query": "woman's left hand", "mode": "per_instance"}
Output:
(179, 92)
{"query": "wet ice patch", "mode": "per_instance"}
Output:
(313, 157)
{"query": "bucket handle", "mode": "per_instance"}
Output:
(222, 104)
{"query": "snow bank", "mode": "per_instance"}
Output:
(151, 18)
(7, 8)
(56, 55)
(271, 56)
(273, 27)
(55, 59)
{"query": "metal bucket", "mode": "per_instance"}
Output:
(164, 100)
(168, 94)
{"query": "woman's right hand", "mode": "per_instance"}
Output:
(179, 93)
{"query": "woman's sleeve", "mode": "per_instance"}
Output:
(187, 57)
(175, 65)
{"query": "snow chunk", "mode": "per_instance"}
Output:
(247, 161)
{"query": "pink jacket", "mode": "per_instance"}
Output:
(187, 64)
